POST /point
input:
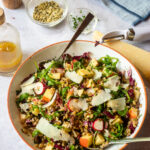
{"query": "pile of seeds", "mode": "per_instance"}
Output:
(47, 12)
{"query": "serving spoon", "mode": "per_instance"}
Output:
(83, 25)
(125, 141)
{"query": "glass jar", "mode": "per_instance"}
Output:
(10, 49)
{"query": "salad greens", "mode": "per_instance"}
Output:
(78, 102)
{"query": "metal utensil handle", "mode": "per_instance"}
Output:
(130, 140)
(84, 24)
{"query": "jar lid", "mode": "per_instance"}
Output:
(2, 16)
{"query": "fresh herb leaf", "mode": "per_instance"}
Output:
(80, 113)
(118, 133)
(36, 65)
(64, 92)
(56, 113)
(77, 65)
(58, 126)
(56, 64)
(51, 82)
(107, 72)
(129, 100)
(42, 112)
(49, 117)
(34, 107)
(109, 62)
(72, 147)
(123, 112)
(22, 97)
(97, 112)
(118, 94)
(35, 133)
(94, 137)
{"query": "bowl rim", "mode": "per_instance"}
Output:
(28, 58)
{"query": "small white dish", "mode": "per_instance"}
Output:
(31, 4)
(76, 17)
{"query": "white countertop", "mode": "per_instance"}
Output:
(34, 37)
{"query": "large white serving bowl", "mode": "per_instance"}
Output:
(78, 48)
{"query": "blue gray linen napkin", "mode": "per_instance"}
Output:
(132, 11)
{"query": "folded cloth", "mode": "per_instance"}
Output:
(132, 11)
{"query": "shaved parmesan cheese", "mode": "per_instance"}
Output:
(28, 89)
(112, 83)
(46, 65)
(77, 92)
(107, 90)
(97, 75)
(106, 133)
(28, 82)
(101, 98)
(117, 104)
(83, 104)
(77, 104)
(73, 76)
(24, 106)
(53, 132)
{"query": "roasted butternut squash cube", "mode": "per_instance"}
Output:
(48, 94)
(86, 140)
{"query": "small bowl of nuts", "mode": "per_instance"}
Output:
(47, 13)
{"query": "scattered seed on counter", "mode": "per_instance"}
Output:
(47, 12)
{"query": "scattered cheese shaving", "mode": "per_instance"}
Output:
(97, 75)
(53, 132)
(73, 76)
(112, 83)
(101, 98)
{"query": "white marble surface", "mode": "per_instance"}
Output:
(34, 37)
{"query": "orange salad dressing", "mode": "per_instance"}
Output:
(10, 56)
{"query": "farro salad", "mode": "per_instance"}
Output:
(78, 102)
